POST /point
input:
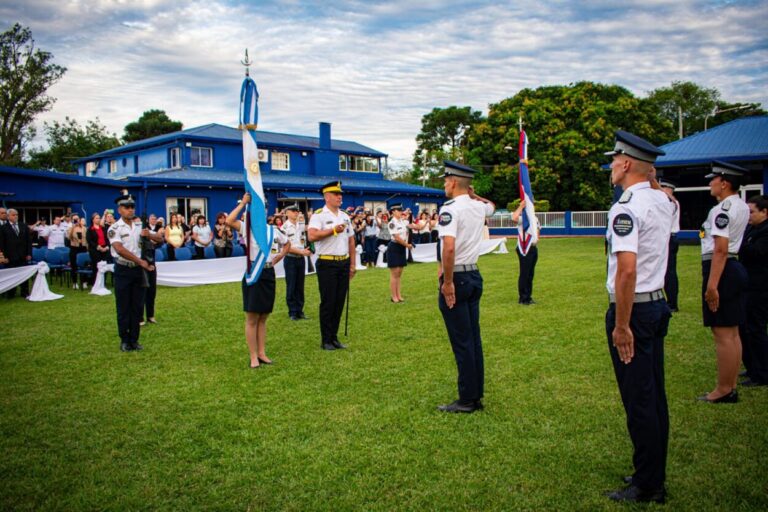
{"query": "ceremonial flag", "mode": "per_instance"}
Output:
(258, 233)
(527, 230)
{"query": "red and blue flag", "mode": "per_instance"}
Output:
(527, 230)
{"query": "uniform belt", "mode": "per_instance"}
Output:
(331, 257)
(641, 297)
(708, 256)
(464, 268)
(268, 264)
(126, 263)
(294, 256)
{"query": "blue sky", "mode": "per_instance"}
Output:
(372, 69)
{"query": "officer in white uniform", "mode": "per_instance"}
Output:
(461, 232)
(294, 264)
(638, 316)
(331, 230)
(670, 278)
(724, 278)
(124, 238)
(396, 250)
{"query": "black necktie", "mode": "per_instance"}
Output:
(16, 229)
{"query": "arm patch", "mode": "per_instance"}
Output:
(445, 218)
(722, 220)
(623, 224)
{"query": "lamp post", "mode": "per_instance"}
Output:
(718, 111)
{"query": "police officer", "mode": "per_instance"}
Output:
(124, 238)
(724, 279)
(638, 316)
(461, 285)
(331, 231)
(294, 264)
(670, 278)
(396, 256)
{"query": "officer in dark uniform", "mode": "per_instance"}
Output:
(331, 231)
(461, 232)
(294, 264)
(639, 226)
(130, 284)
(670, 279)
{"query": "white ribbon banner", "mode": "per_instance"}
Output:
(12, 277)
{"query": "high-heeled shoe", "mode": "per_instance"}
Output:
(263, 361)
(730, 398)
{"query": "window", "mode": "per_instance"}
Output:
(90, 167)
(363, 163)
(174, 162)
(342, 162)
(376, 205)
(187, 206)
(202, 157)
(281, 161)
(112, 166)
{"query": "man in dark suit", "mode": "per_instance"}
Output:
(16, 245)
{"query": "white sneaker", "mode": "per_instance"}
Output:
(142, 324)
(85, 286)
(74, 287)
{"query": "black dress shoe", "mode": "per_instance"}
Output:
(262, 361)
(749, 383)
(338, 344)
(479, 405)
(293, 317)
(730, 398)
(627, 479)
(634, 494)
(302, 316)
(125, 347)
(137, 346)
(328, 346)
(458, 406)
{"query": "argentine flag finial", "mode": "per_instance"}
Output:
(247, 63)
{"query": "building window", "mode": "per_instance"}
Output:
(90, 168)
(281, 161)
(342, 162)
(187, 206)
(363, 164)
(112, 166)
(174, 162)
(202, 157)
(375, 206)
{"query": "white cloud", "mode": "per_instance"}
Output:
(374, 69)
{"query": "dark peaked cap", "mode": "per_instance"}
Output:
(125, 200)
(635, 147)
(293, 206)
(456, 169)
(724, 169)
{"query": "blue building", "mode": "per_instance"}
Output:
(201, 170)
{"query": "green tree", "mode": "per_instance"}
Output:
(444, 135)
(26, 73)
(569, 128)
(686, 104)
(151, 123)
(68, 140)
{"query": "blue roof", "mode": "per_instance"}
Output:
(223, 133)
(55, 175)
(280, 181)
(741, 140)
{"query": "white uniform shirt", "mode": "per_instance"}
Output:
(294, 234)
(278, 240)
(640, 223)
(727, 219)
(56, 236)
(398, 227)
(333, 245)
(129, 234)
(463, 218)
(676, 218)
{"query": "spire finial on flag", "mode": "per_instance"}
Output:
(520, 123)
(247, 63)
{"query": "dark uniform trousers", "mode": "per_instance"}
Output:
(129, 298)
(670, 278)
(525, 280)
(333, 281)
(151, 293)
(294, 284)
(641, 385)
(754, 339)
(463, 325)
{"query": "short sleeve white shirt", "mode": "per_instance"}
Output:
(278, 241)
(128, 234)
(398, 227)
(294, 234)
(728, 219)
(463, 218)
(640, 223)
(332, 245)
(56, 236)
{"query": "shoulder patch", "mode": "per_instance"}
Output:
(391, 225)
(625, 197)
(623, 224)
(722, 220)
(111, 233)
(726, 205)
(445, 218)
(319, 210)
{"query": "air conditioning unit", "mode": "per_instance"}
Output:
(263, 155)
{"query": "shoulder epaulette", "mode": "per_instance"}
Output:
(726, 205)
(625, 197)
(319, 210)
(448, 202)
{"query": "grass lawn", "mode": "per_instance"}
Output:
(184, 425)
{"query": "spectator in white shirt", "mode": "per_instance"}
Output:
(55, 234)
(202, 236)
